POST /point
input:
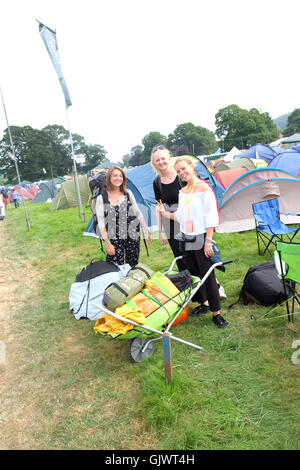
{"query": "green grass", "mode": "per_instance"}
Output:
(240, 392)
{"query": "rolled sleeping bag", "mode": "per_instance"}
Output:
(117, 293)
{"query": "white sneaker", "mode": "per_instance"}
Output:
(222, 293)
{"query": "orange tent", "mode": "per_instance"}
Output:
(226, 177)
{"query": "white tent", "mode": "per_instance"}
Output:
(257, 185)
(230, 155)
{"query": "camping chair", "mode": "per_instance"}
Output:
(268, 225)
(287, 262)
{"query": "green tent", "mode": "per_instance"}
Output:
(238, 163)
(67, 196)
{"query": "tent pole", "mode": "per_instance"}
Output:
(81, 213)
(15, 161)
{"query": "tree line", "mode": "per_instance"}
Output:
(46, 153)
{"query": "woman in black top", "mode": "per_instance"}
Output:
(166, 188)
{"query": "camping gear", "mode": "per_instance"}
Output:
(262, 285)
(181, 280)
(97, 185)
(167, 310)
(287, 261)
(119, 292)
(90, 285)
(268, 225)
(257, 185)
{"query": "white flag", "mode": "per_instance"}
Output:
(49, 38)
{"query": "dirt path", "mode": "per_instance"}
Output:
(26, 390)
(18, 415)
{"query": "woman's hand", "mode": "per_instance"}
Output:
(208, 250)
(162, 239)
(160, 207)
(110, 249)
(149, 238)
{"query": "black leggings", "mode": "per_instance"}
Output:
(198, 265)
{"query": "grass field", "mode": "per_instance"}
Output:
(63, 387)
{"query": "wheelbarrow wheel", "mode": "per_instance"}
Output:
(135, 349)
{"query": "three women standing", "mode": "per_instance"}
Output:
(119, 219)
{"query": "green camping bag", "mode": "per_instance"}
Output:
(117, 293)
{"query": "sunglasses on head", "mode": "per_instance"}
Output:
(158, 147)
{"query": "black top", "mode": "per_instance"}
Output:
(169, 193)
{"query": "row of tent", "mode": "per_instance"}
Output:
(252, 176)
(258, 156)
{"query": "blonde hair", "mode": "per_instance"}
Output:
(108, 177)
(158, 148)
(188, 161)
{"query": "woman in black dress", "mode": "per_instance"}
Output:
(166, 188)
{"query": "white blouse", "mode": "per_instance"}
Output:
(201, 208)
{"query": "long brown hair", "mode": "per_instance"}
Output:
(123, 188)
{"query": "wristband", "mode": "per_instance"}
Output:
(207, 238)
(161, 231)
(209, 244)
(107, 242)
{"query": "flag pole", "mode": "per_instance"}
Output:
(81, 213)
(15, 161)
(49, 38)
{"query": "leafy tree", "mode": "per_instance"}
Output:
(32, 151)
(192, 139)
(136, 155)
(293, 123)
(47, 149)
(126, 159)
(93, 155)
(242, 128)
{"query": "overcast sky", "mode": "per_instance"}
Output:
(136, 66)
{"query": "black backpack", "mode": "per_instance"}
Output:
(97, 184)
(262, 285)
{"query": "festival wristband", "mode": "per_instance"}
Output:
(107, 242)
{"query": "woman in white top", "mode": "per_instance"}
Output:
(198, 216)
(119, 219)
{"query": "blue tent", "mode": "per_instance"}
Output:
(288, 161)
(297, 148)
(265, 152)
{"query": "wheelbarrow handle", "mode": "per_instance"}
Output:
(227, 261)
(153, 330)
